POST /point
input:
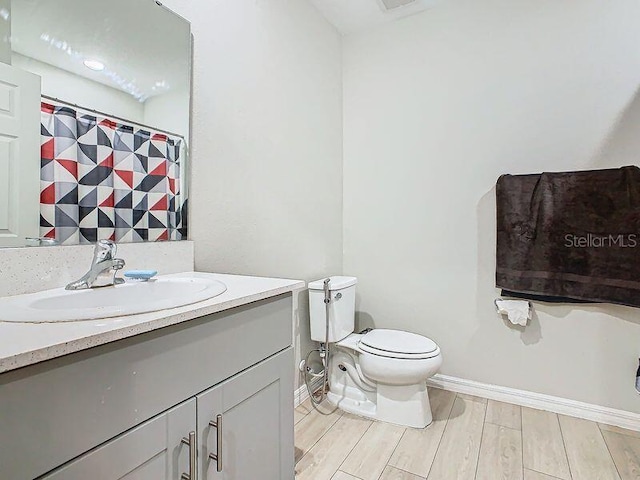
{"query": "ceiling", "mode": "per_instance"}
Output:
(350, 16)
(146, 48)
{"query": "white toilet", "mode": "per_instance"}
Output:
(380, 374)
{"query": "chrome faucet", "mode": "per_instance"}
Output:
(104, 267)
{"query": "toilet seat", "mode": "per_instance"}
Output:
(398, 344)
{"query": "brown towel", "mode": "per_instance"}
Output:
(572, 235)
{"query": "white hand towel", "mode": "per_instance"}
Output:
(518, 311)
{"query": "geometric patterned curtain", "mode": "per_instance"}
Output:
(102, 178)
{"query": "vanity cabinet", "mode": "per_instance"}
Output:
(247, 437)
(121, 410)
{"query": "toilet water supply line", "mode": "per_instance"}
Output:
(323, 351)
(357, 376)
(324, 354)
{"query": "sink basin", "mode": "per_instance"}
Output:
(130, 298)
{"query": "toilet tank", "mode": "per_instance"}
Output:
(341, 308)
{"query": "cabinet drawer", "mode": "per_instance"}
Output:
(54, 411)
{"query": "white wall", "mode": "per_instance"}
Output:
(436, 107)
(266, 192)
(72, 88)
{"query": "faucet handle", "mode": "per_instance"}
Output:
(105, 250)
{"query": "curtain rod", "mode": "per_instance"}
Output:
(75, 105)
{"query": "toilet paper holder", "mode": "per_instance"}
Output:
(499, 299)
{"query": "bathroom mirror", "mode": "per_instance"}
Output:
(94, 145)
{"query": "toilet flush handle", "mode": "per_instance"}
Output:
(338, 296)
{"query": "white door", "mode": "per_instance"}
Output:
(19, 156)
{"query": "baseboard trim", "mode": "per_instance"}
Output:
(540, 401)
(300, 395)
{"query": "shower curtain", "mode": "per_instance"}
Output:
(102, 178)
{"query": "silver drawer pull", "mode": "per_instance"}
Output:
(193, 457)
(218, 455)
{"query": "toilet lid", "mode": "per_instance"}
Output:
(397, 342)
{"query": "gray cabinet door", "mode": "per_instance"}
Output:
(151, 451)
(256, 407)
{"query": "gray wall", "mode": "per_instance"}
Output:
(436, 107)
(266, 193)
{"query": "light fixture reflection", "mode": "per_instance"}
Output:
(95, 65)
(122, 82)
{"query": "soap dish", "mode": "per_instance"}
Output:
(141, 275)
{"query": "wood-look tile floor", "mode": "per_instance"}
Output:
(470, 438)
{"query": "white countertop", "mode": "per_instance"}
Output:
(23, 344)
